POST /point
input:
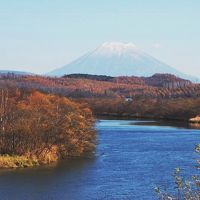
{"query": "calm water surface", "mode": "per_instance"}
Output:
(130, 161)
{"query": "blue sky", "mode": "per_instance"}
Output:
(40, 35)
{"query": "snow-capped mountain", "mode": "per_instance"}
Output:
(117, 59)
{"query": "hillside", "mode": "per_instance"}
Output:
(162, 94)
(164, 86)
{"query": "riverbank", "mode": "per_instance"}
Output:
(7, 161)
(14, 161)
(138, 117)
(179, 123)
(195, 120)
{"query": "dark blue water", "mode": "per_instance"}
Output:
(130, 161)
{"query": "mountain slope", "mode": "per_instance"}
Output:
(117, 59)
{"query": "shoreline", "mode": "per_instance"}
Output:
(15, 162)
(136, 117)
(152, 121)
(195, 120)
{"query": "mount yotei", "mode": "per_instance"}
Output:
(117, 59)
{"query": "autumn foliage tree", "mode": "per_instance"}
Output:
(44, 126)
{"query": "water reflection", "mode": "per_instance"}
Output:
(177, 124)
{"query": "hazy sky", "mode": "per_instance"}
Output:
(40, 35)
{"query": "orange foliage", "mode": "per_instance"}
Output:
(36, 124)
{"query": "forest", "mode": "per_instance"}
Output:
(161, 96)
(38, 128)
(181, 109)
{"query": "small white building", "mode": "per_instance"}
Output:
(128, 99)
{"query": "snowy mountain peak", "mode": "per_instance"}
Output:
(118, 48)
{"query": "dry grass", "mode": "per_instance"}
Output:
(14, 161)
(7, 161)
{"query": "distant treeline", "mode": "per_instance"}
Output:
(158, 96)
(90, 77)
(170, 109)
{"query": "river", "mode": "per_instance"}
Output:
(131, 160)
